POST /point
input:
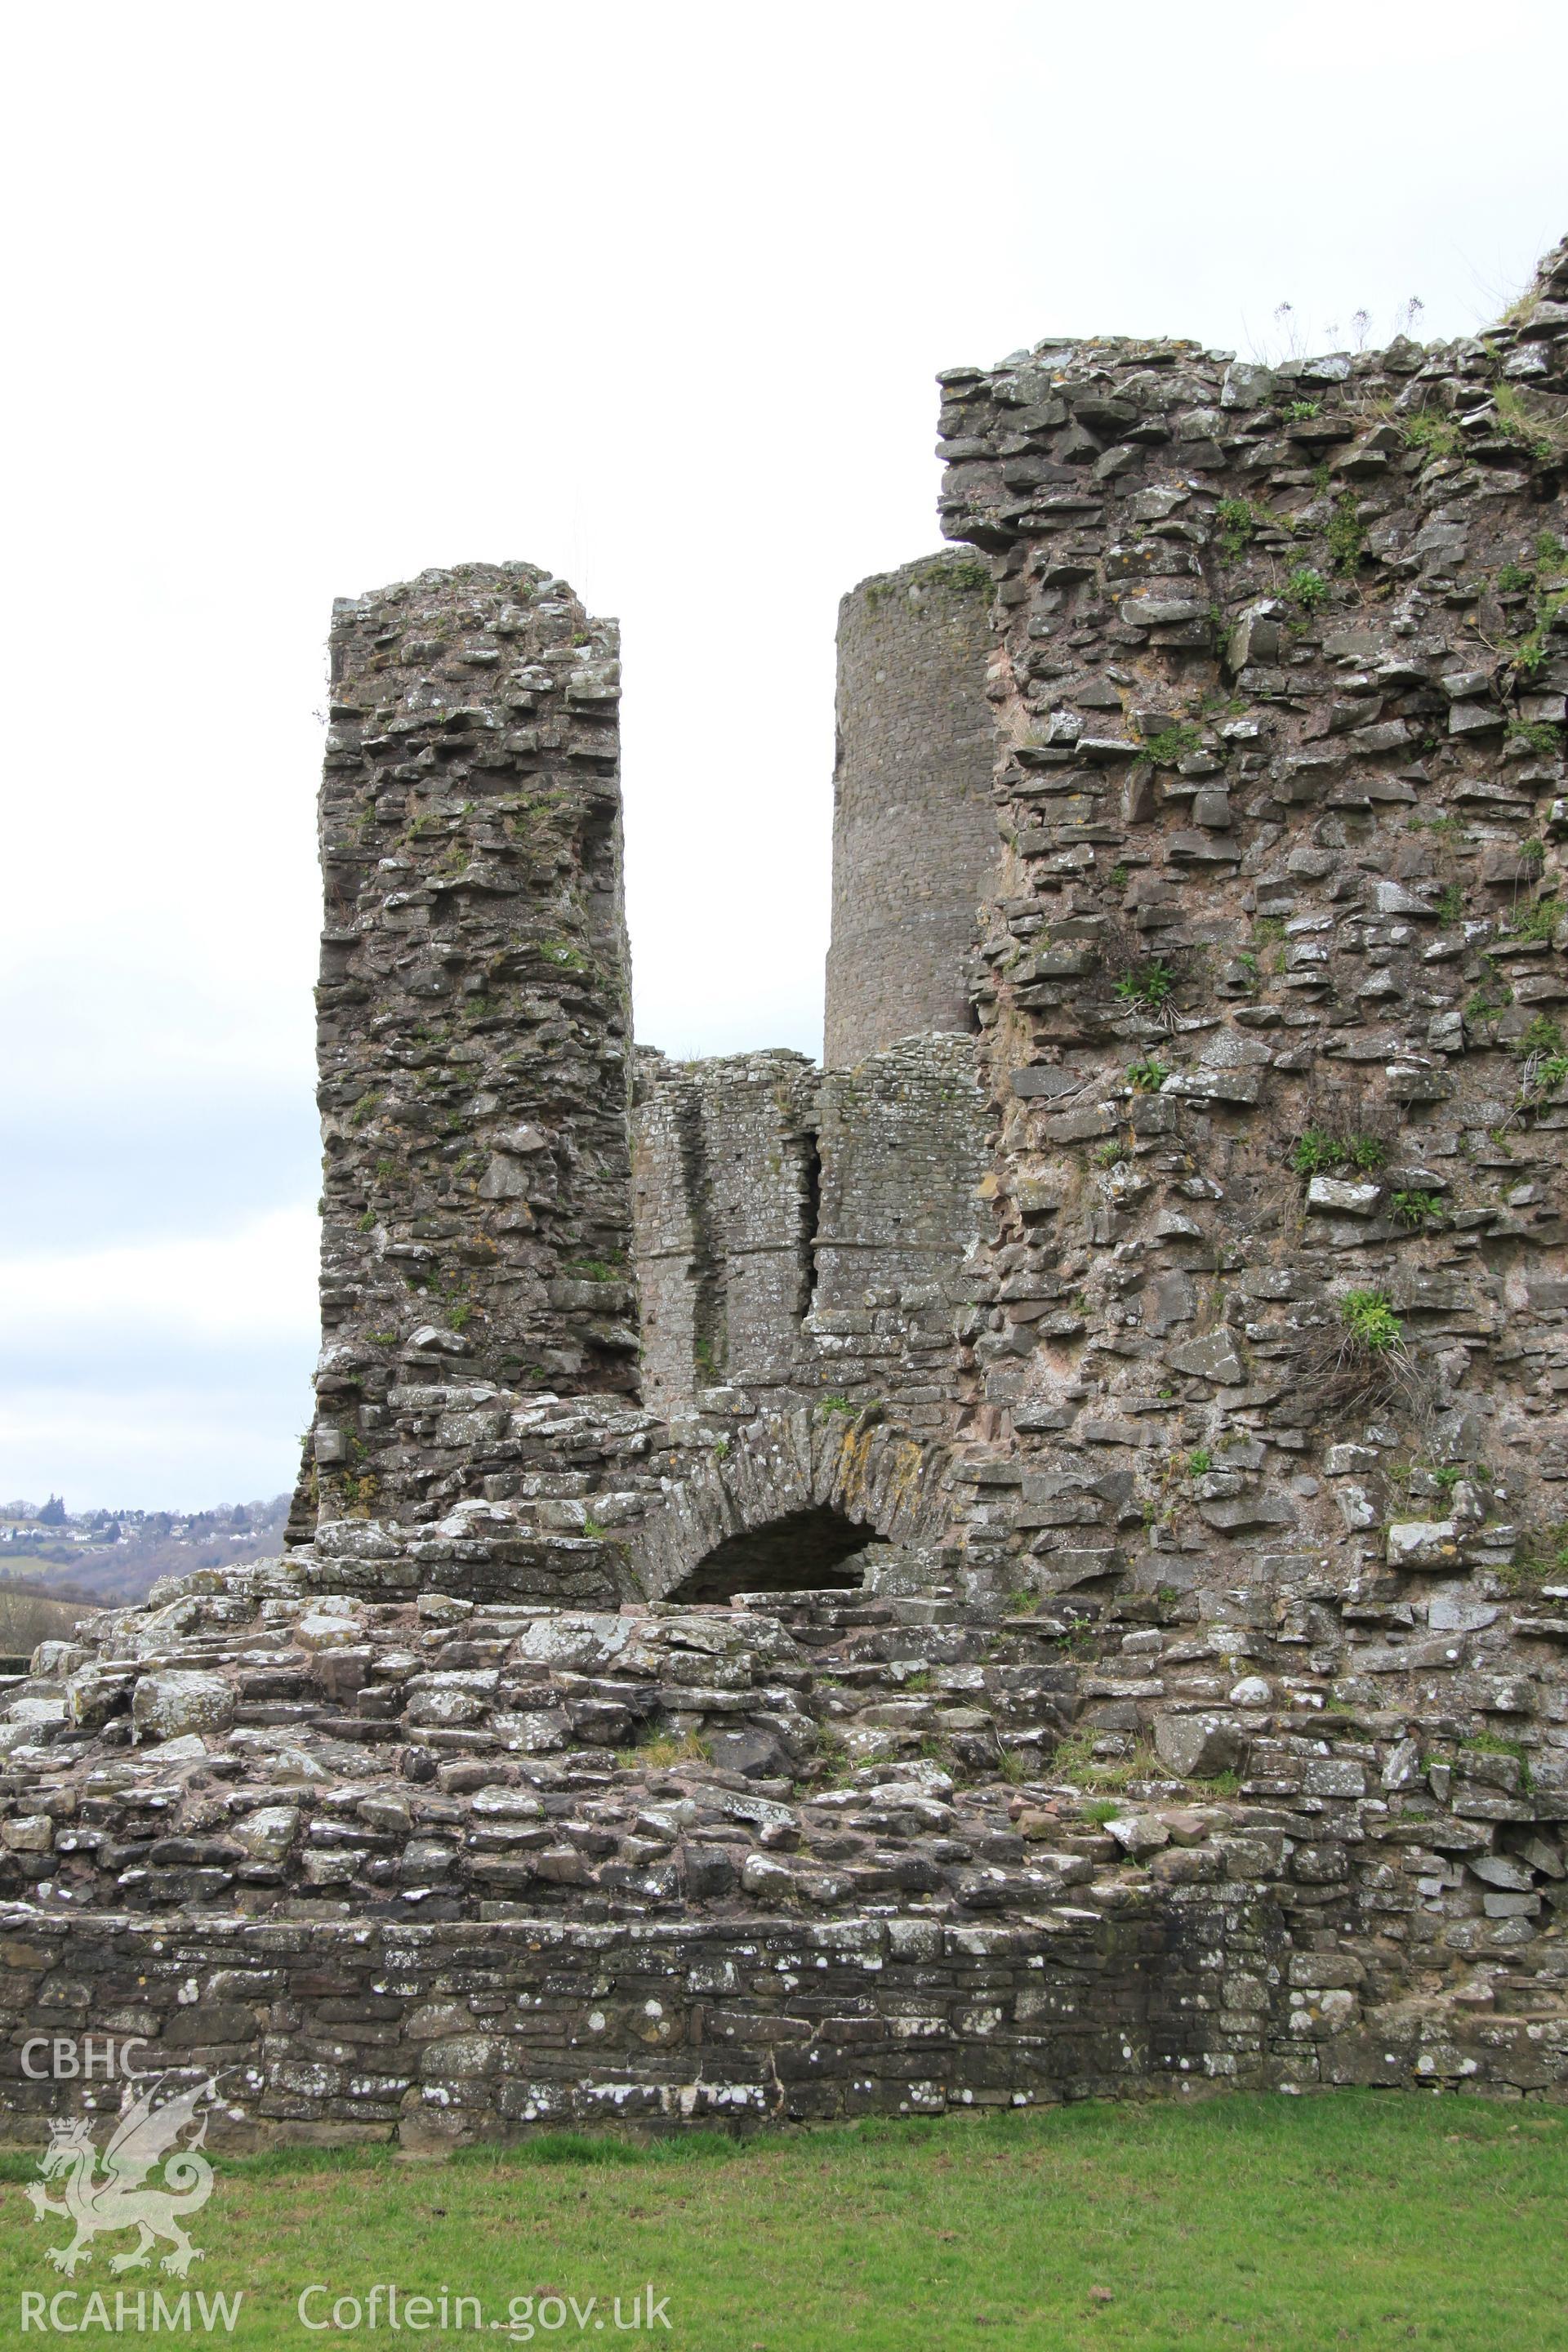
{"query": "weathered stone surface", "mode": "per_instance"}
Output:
(1328, 1194)
(1422, 1543)
(268, 1833)
(1212, 1359)
(170, 1705)
(471, 844)
(1197, 1747)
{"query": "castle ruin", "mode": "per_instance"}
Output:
(1028, 1562)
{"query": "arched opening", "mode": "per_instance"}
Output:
(810, 1550)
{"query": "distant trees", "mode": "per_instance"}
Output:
(53, 1514)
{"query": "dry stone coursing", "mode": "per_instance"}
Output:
(437, 2035)
(1179, 1365)
(416, 1845)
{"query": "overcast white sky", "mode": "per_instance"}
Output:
(301, 299)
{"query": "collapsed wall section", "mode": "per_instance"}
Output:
(914, 834)
(473, 1030)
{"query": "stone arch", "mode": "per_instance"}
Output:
(866, 1474)
(819, 1549)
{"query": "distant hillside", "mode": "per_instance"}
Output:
(108, 1558)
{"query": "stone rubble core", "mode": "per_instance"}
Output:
(1029, 1562)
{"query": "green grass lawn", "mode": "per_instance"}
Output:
(1379, 2220)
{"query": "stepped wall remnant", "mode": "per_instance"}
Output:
(1030, 1562)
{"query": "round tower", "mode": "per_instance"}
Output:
(914, 834)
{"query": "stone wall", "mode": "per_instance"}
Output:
(797, 1232)
(438, 2035)
(903, 1150)
(431, 1895)
(1273, 1014)
(914, 838)
(1197, 1426)
(725, 1193)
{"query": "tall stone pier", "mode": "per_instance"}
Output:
(474, 1016)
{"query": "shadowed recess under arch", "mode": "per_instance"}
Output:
(807, 1550)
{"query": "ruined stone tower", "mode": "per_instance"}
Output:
(746, 1529)
(473, 1005)
(914, 835)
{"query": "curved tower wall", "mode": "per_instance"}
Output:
(914, 831)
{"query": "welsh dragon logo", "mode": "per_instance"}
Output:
(144, 2137)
